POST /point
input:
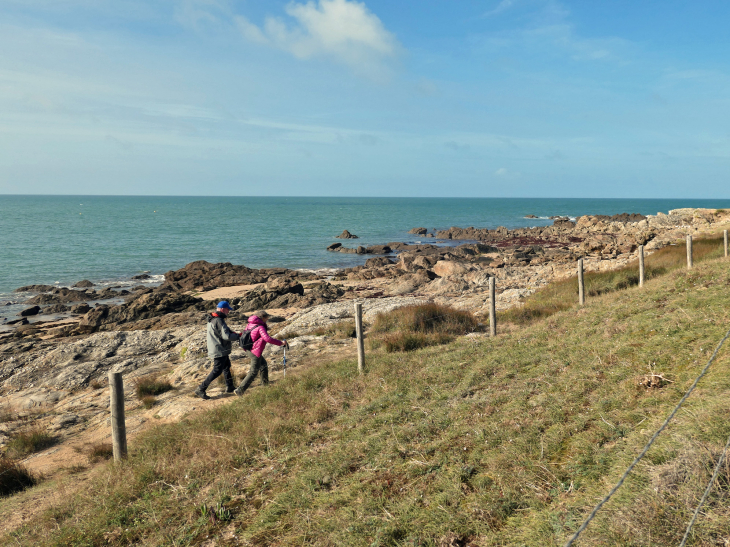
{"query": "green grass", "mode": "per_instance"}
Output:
(27, 442)
(563, 295)
(490, 442)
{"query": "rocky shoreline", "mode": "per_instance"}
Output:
(67, 339)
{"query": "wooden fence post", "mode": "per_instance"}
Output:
(492, 309)
(642, 271)
(581, 285)
(360, 341)
(119, 428)
(689, 251)
(724, 234)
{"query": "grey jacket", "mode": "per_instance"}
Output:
(220, 337)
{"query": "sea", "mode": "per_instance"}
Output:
(108, 239)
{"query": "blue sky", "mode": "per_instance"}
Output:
(523, 98)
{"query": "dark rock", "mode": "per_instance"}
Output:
(284, 286)
(62, 296)
(378, 250)
(80, 308)
(377, 262)
(23, 321)
(334, 247)
(564, 223)
(95, 317)
(141, 276)
(346, 235)
(56, 308)
(30, 311)
(418, 231)
(35, 288)
(85, 284)
(531, 216)
(205, 274)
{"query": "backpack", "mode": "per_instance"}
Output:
(245, 341)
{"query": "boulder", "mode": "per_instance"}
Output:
(418, 231)
(80, 308)
(334, 247)
(84, 284)
(141, 276)
(209, 276)
(35, 288)
(63, 296)
(35, 310)
(346, 235)
(379, 250)
(448, 268)
(284, 286)
(56, 308)
(564, 223)
(377, 262)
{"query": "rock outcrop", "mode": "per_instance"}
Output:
(346, 235)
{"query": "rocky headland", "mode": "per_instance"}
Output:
(54, 359)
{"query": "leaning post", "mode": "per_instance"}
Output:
(581, 284)
(642, 271)
(119, 428)
(724, 236)
(492, 309)
(689, 251)
(360, 341)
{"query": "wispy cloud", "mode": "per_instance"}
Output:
(503, 6)
(343, 30)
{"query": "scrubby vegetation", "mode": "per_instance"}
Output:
(413, 327)
(99, 452)
(562, 295)
(14, 477)
(151, 385)
(496, 441)
(29, 441)
(338, 331)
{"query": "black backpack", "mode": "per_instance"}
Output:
(245, 341)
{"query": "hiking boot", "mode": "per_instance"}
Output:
(238, 391)
(230, 389)
(201, 393)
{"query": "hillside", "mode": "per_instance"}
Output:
(506, 441)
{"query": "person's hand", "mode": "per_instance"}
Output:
(286, 344)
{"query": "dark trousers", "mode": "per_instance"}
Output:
(258, 364)
(221, 365)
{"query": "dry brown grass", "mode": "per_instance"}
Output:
(14, 477)
(29, 441)
(151, 385)
(99, 452)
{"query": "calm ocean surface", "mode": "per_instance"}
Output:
(47, 239)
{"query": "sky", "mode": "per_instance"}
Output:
(494, 98)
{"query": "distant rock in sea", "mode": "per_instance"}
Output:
(346, 235)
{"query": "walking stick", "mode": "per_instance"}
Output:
(284, 361)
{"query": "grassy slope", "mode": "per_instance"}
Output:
(499, 442)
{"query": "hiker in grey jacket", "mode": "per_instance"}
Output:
(220, 345)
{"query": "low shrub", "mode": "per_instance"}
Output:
(96, 384)
(148, 401)
(14, 477)
(28, 442)
(413, 327)
(341, 330)
(7, 414)
(151, 385)
(99, 452)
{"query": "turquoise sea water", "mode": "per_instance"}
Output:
(47, 239)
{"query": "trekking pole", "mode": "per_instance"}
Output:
(284, 361)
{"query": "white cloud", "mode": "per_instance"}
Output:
(343, 30)
(502, 171)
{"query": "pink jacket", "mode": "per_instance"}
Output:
(260, 336)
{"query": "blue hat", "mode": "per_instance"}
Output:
(224, 305)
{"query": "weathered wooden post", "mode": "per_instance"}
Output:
(360, 341)
(581, 285)
(642, 272)
(492, 309)
(724, 236)
(689, 251)
(119, 428)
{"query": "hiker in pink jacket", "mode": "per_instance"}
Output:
(260, 337)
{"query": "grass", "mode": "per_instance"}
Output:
(413, 327)
(338, 331)
(148, 401)
(489, 442)
(28, 442)
(151, 385)
(562, 295)
(99, 452)
(7, 414)
(14, 477)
